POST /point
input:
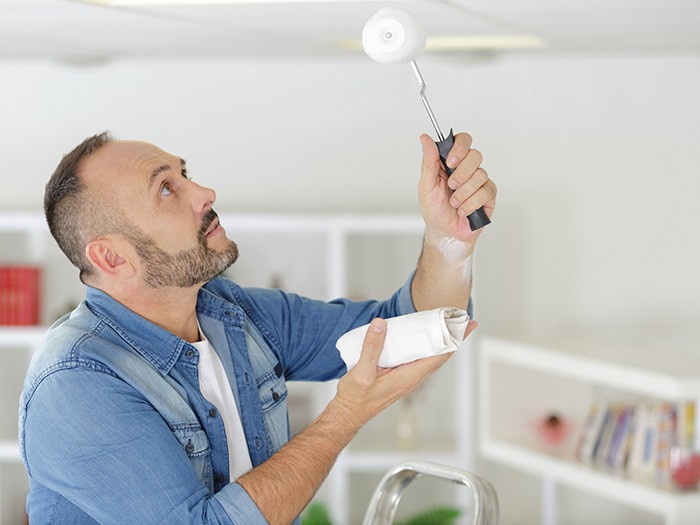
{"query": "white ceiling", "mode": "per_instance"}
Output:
(75, 31)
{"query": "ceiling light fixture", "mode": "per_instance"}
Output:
(131, 3)
(468, 43)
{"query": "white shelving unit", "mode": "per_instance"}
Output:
(320, 256)
(520, 382)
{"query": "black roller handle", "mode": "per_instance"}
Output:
(477, 219)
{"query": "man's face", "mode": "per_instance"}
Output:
(167, 217)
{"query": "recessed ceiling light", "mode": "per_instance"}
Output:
(126, 3)
(469, 43)
(484, 42)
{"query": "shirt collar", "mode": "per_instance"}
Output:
(160, 347)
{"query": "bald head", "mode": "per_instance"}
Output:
(122, 171)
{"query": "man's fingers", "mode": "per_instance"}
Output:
(482, 197)
(471, 326)
(478, 179)
(411, 375)
(466, 169)
(460, 148)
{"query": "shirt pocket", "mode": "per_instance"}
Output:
(195, 443)
(272, 390)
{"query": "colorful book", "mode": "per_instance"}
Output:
(590, 433)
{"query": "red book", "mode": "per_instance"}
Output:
(12, 296)
(19, 295)
(34, 295)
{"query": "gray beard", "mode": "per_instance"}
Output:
(185, 268)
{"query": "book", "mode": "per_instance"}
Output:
(19, 295)
(591, 430)
(615, 453)
(622, 456)
(600, 450)
(636, 439)
(686, 424)
(666, 439)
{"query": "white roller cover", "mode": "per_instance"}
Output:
(410, 337)
(393, 36)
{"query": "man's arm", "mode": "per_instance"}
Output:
(95, 440)
(284, 484)
(443, 276)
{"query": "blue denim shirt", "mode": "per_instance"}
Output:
(114, 429)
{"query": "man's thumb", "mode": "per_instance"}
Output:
(431, 155)
(373, 344)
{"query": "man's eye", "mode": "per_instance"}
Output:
(165, 189)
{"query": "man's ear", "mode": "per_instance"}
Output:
(105, 254)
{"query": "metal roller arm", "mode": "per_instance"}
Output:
(382, 508)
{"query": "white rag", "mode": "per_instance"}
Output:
(410, 337)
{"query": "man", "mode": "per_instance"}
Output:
(162, 397)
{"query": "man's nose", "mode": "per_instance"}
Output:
(204, 198)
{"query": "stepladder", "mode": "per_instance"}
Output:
(387, 495)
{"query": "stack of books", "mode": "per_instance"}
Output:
(19, 295)
(636, 440)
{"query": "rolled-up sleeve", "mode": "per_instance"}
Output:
(303, 332)
(239, 505)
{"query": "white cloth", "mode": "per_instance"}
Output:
(215, 387)
(410, 337)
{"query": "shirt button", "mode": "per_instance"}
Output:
(189, 447)
(190, 354)
(229, 313)
(258, 443)
(275, 396)
(247, 378)
(212, 412)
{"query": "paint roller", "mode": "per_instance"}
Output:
(393, 36)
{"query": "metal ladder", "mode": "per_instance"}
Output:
(382, 508)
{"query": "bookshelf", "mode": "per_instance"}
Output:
(320, 256)
(521, 381)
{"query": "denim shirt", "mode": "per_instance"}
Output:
(113, 427)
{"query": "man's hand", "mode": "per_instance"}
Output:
(446, 203)
(367, 390)
(298, 468)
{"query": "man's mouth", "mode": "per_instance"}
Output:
(210, 225)
(213, 227)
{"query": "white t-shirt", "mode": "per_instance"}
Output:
(215, 387)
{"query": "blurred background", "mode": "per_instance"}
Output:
(587, 113)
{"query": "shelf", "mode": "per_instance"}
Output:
(22, 335)
(383, 461)
(665, 373)
(9, 451)
(522, 380)
(23, 221)
(604, 484)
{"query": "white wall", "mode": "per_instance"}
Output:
(596, 160)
